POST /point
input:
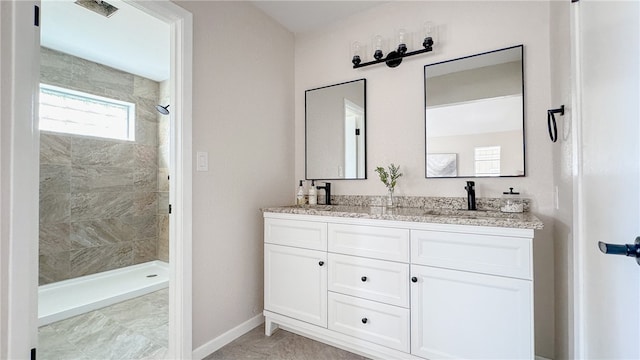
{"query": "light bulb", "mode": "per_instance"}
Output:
(402, 41)
(356, 53)
(428, 30)
(377, 42)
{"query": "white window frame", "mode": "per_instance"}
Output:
(478, 160)
(130, 107)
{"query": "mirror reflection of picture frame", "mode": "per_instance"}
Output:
(442, 165)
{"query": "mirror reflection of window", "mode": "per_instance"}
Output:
(487, 160)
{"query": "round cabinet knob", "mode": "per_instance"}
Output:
(364, 278)
(365, 320)
(414, 279)
(321, 263)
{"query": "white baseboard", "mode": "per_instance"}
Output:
(222, 340)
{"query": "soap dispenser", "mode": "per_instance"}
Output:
(300, 194)
(313, 194)
(511, 202)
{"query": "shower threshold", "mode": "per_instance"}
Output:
(64, 299)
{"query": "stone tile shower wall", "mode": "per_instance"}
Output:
(98, 197)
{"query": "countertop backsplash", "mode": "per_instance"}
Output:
(424, 202)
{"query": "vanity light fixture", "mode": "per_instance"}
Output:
(393, 58)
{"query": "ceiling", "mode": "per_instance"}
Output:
(135, 42)
(129, 40)
(302, 16)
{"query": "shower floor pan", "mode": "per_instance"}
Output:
(64, 299)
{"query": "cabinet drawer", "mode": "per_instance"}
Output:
(489, 254)
(382, 324)
(369, 241)
(303, 234)
(378, 280)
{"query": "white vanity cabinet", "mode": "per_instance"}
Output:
(401, 290)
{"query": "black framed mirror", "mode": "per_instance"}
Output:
(335, 131)
(474, 116)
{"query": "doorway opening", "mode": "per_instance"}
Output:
(115, 194)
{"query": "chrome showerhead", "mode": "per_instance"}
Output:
(164, 110)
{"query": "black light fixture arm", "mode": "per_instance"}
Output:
(394, 58)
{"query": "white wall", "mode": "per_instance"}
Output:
(395, 107)
(243, 116)
(562, 177)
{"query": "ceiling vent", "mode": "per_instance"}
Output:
(98, 6)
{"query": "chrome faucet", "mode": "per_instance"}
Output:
(327, 192)
(471, 195)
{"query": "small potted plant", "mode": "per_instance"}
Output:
(389, 179)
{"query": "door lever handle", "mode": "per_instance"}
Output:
(632, 250)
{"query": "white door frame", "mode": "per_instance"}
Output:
(180, 196)
(19, 177)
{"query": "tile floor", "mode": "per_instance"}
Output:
(282, 345)
(138, 329)
(133, 329)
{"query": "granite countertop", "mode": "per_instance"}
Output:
(525, 220)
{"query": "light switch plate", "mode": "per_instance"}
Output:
(202, 161)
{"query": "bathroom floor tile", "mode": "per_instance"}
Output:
(282, 345)
(138, 329)
(132, 329)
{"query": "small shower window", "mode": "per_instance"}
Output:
(74, 112)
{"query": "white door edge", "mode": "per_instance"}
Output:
(578, 222)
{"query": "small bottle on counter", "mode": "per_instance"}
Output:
(313, 194)
(300, 194)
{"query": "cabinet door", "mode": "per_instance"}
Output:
(295, 283)
(463, 315)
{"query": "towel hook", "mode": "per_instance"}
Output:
(551, 122)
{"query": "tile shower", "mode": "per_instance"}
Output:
(103, 203)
